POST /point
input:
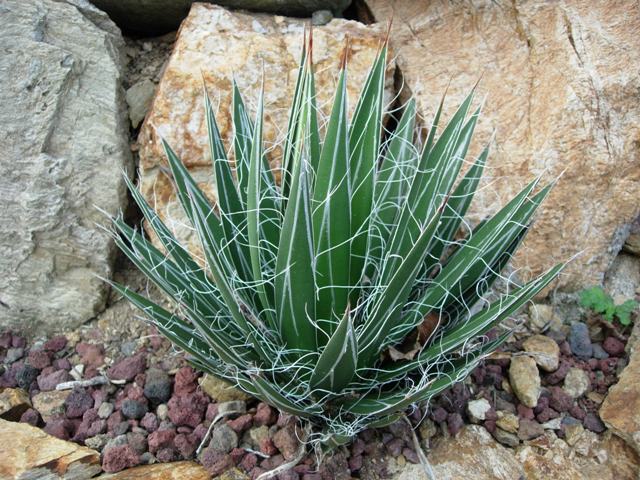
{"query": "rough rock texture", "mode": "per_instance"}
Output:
(13, 403)
(620, 410)
(560, 96)
(154, 17)
(64, 146)
(162, 471)
(34, 454)
(525, 380)
(215, 43)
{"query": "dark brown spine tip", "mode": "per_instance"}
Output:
(345, 53)
(388, 33)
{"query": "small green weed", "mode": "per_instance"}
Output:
(599, 301)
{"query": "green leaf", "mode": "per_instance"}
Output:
(331, 216)
(337, 363)
(364, 140)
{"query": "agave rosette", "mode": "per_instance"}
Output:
(308, 283)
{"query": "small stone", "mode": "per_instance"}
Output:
(542, 317)
(265, 415)
(13, 403)
(161, 439)
(150, 422)
(572, 433)
(257, 434)
(592, 422)
(105, 410)
(560, 400)
(321, 17)
(508, 422)
(147, 458)
(50, 404)
(529, 429)
(97, 442)
(223, 439)
(133, 409)
(26, 374)
(166, 455)
(544, 350)
(216, 462)
(438, 414)
(506, 438)
(220, 390)
(557, 376)
(525, 380)
(454, 423)
(92, 355)
(61, 428)
(241, 423)
(118, 458)
(576, 383)
(232, 407)
(39, 359)
(157, 387)
(138, 442)
(554, 424)
(186, 444)
(185, 381)
(188, 409)
(599, 352)
(477, 410)
(579, 341)
(31, 417)
(162, 411)
(49, 382)
(55, 344)
(427, 429)
(13, 355)
(128, 368)
(613, 346)
(139, 97)
(78, 402)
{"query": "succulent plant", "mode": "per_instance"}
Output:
(353, 288)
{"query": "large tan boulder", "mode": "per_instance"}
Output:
(561, 95)
(216, 45)
(28, 452)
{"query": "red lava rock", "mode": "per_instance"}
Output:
(39, 359)
(200, 431)
(18, 341)
(62, 429)
(91, 355)
(491, 414)
(613, 346)
(188, 409)
(55, 344)
(543, 402)
(286, 440)
(78, 402)
(557, 376)
(267, 447)
(410, 455)
(394, 447)
(454, 423)
(577, 412)
(525, 412)
(248, 462)
(161, 439)
(138, 442)
(128, 368)
(30, 416)
(272, 462)
(355, 463)
(439, 415)
(114, 419)
(118, 458)
(212, 411)
(134, 392)
(186, 444)
(185, 381)
(48, 382)
(241, 423)
(215, 462)
(546, 415)
(565, 348)
(140, 379)
(456, 398)
(490, 425)
(237, 454)
(493, 375)
(592, 422)
(265, 415)
(608, 365)
(62, 364)
(167, 455)
(560, 400)
(150, 422)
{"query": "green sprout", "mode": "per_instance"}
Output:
(599, 301)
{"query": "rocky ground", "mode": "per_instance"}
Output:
(136, 401)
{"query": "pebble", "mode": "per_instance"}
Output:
(321, 17)
(215, 462)
(544, 350)
(223, 439)
(477, 410)
(162, 411)
(592, 422)
(133, 409)
(542, 317)
(576, 383)
(13, 355)
(286, 440)
(188, 409)
(78, 402)
(454, 423)
(157, 387)
(572, 433)
(97, 442)
(128, 368)
(506, 438)
(26, 375)
(525, 379)
(118, 458)
(49, 382)
(579, 341)
(613, 346)
(150, 422)
(529, 429)
(508, 422)
(560, 400)
(105, 410)
(599, 352)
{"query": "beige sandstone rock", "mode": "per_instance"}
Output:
(50, 404)
(220, 390)
(620, 410)
(525, 380)
(27, 452)
(544, 350)
(13, 403)
(162, 471)
(561, 96)
(216, 44)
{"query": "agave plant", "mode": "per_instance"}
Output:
(311, 288)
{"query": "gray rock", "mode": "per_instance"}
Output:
(321, 17)
(623, 278)
(477, 410)
(157, 386)
(139, 98)
(64, 139)
(579, 340)
(13, 355)
(160, 16)
(105, 409)
(223, 439)
(116, 441)
(506, 438)
(97, 442)
(234, 406)
(599, 352)
(134, 409)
